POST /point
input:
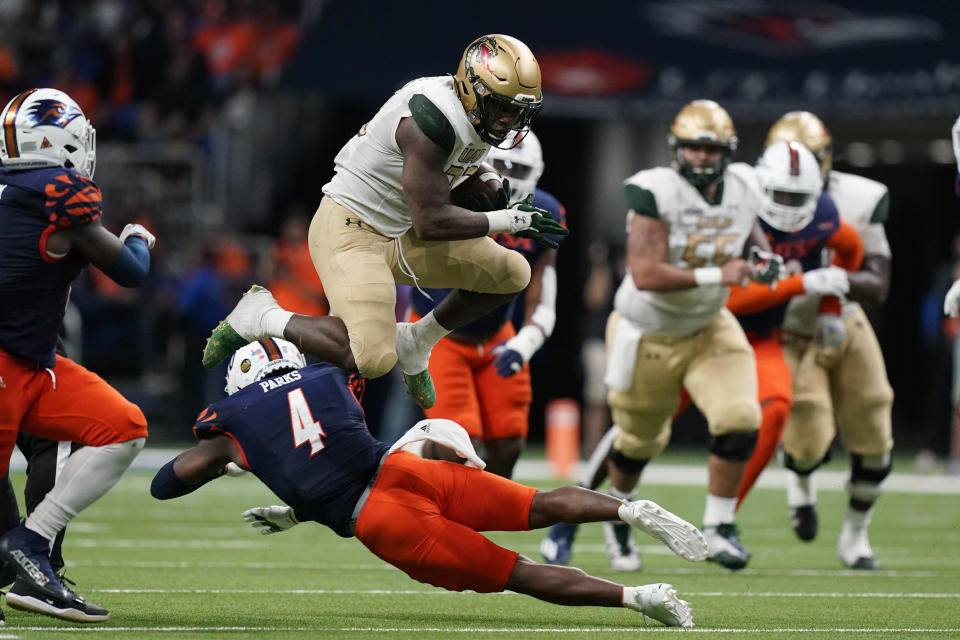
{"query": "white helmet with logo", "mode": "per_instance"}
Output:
(46, 128)
(790, 183)
(259, 359)
(522, 165)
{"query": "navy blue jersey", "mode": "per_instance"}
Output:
(34, 287)
(303, 434)
(806, 246)
(531, 250)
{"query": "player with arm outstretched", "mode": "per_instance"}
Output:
(688, 225)
(480, 370)
(50, 213)
(301, 431)
(800, 221)
(840, 381)
(386, 218)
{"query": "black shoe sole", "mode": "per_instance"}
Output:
(34, 605)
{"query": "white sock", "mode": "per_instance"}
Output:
(857, 519)
(274, 321)
(427, 331)
(623, 495)
(629, 595)
(718, 510)
(801, 490)
(88, 474)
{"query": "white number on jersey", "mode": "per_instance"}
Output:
(305, 428)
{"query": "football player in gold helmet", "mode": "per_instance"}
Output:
(851, 362)
(386, 218)
(498, 82)
(688, 227)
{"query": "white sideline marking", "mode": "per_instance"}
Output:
(514, 630)
(436, 592)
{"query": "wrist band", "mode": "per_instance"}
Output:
(708, 276)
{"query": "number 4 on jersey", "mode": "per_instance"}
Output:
(305, 428)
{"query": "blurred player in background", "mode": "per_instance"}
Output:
(50, 213)
(480, 370)
(951, 303)
(840, 380)
(799, 221)
(688, 225)
(301, 431)
(951, 307)
(386, 218)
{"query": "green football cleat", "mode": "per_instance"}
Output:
(223, 341)
(420, 388)
(240, 327)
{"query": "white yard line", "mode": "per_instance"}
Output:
(438, 592)
(508, 630)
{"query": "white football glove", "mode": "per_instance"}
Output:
(827, 281)
(955, 136)
(272, 519)
(951, 304)
(138, 230)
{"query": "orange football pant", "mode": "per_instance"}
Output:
(422, 516)
(776, 396)
(67, 403)
(470, 392)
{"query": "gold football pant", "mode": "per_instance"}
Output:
(359, 268)
(715, 365)
(851, 391)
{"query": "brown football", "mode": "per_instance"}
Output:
(485, 182)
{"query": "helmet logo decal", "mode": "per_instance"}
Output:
(485, 55)
(51, 112)
(245, 365)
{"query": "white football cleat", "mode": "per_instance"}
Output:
(680, 536)
(853, 545)
(621, 549)
(725, 546)
(660, 602)
(240, 327)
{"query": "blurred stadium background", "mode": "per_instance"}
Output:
(218, 121)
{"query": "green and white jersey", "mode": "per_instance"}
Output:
(369, 168)
(701, 235)
(864, 204)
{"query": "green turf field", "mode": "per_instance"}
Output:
(191, 568)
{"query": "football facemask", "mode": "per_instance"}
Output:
(498, 82)
(702, 123)
(790, 184)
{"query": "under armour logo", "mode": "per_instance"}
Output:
(519, 219)
(354, 221)
(425, 428)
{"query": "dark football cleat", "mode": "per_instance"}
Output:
(37, 587)
(804, 521)
(557, 545)
(66, 604)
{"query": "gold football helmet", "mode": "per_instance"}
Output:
(702, 123)
(498, 82)
(807, 129)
